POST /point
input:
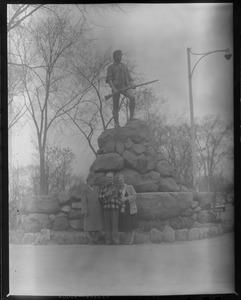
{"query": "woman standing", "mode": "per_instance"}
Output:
(91, 208)
(128, 210)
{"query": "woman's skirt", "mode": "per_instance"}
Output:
(127, 221)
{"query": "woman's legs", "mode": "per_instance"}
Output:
(132, 236)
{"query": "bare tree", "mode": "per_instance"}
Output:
(19, 17)
(214, 145)
(16, 105)
(49, 89)
(17, 13)
(58, 167)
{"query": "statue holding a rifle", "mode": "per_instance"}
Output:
(120, 81)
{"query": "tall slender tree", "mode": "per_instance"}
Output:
(49, 89)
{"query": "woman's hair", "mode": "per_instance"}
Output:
(120, 176)
(109, 172)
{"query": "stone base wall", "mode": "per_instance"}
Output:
(59, 219)
(167, 235)
(57, 212)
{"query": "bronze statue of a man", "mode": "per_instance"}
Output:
(118, 77)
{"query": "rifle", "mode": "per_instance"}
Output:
(107, 97)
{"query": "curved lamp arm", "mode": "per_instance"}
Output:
(227, 55)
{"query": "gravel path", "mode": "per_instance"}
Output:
(195, 267)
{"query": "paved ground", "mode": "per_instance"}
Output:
(197, 267)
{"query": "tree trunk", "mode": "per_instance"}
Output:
(43, 185)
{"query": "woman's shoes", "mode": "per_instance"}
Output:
(128, 242)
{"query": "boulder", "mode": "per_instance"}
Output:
(128, 143)
(149, 182)
(148, 225)
(143, 183)
(76, 191)
(176, 223)
(160, 156)
(43, 238)
(151, 176)
(137, 131)
(120, 147)
(100, 178)
(138, 148)
(156, 236)
(140, 163)
(203, 233)
(188, 212)
(147, 187)
(168, 184)
(151, 158)
(45, 234)
(180, 222)
(187, 222)
(141, 238)
(213, 231)
(137, 162)
(205, 199)
(75, 214)
(193, 234)
(131, 176)
(183, 188)
(76, 224)
(107, 162)
(38, 204)
(206, 216)
(40, 240)
(220, 229)
(109, 147)
(68, 237)
(76, 205)
(181, 234)
(194, 216)
(197, 209)
(197, 225)
(228, 227)
(15, 236)
(29, 238)
(168, 234)
(194, 204)
(61, 214)
(80, 238)
(64, 197)
(66, 208)
(52, 217)
(162, 205)
(164, 168)
(35, 222)
(60, 224)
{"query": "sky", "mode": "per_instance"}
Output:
(156, 37)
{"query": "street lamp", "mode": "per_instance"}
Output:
(227, 55)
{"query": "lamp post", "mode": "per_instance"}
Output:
(227, 55)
